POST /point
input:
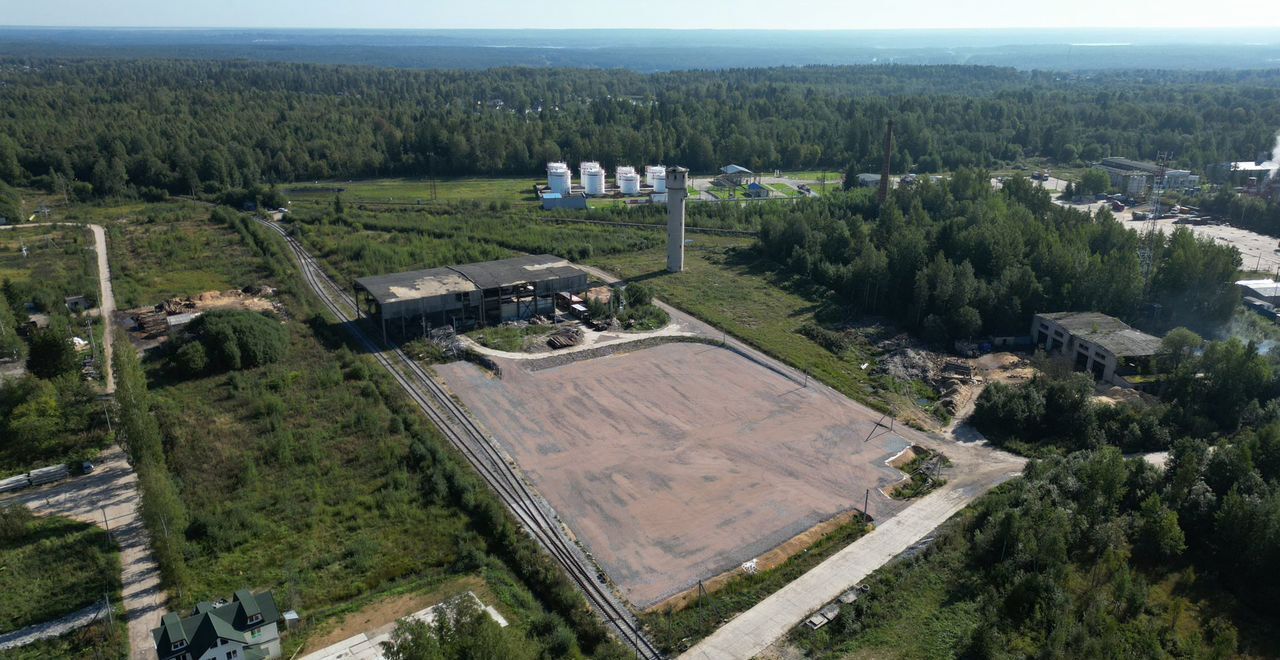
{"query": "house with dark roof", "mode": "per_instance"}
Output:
(244, 629)
(1099, 344)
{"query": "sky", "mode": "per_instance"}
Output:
(714, 14)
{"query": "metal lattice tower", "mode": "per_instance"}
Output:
(1147, 241)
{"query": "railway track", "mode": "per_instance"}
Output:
(533, 513)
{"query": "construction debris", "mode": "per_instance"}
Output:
(156, 321)
(565, 337)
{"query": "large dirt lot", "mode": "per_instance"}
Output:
(678, 462)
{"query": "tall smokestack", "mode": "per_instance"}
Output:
(677, 190)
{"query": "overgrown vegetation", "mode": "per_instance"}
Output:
(1086, 556)
(46, 422)
(729, 286)
(52, 566)
(232, 340)
(460, 630)
(163, 251)
(676, 631)
(330, 485)
(511, 338)
(1210, 389)
(360, 243)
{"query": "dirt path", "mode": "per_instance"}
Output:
(109, 498)
(106, 297)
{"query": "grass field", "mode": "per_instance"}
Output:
(509, 338)
(414, 192)
(784, 189)
(725, 285)
(814, 175)
(913, 611)
(175, 251)
(56, 567)
(100, 640)
(60, 261)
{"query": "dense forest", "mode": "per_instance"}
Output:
(956, 260)
(1090, 556)
(94, 128)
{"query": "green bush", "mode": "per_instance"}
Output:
(234, 339)
(192, 359)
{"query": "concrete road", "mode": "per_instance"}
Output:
(109, 498)
(753, 631)
(106, 297)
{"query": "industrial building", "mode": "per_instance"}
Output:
(464, 296)
(1099, 344)
(1267, 291)
(1136, 177)
(733, 176)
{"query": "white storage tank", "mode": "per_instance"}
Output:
(660, 182)
(628, 180)
(593, 179)
(559, 178)
(652, 173)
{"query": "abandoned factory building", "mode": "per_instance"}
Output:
(1099, 344)
(465, 296)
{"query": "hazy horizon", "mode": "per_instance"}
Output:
(799, 15)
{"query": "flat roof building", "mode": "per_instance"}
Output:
(1267, 290)
(1102, 345)
(463, 296)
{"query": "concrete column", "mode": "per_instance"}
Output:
(677, 191)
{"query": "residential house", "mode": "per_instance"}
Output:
(244, 629)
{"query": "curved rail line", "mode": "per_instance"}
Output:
(469, 439)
